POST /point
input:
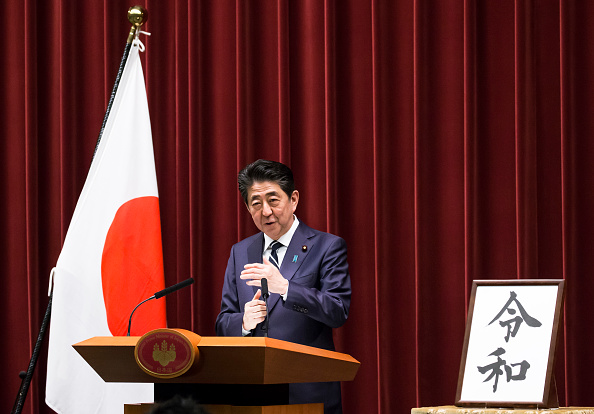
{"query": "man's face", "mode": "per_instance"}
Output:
(271, 209)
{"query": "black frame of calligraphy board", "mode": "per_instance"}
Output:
(549, 393)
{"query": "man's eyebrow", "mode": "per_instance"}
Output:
(268, 194)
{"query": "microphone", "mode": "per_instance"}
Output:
(265, 294)
(159, 295)
(173, 288)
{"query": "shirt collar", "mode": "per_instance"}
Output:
(286, 238)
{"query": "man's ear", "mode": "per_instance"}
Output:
(295, 199)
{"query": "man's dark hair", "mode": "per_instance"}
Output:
(265, 170)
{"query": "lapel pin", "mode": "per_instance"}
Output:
(304, 248)
(295, 259)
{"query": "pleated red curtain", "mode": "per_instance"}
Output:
(445, 141)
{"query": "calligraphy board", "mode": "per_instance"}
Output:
(509, 345)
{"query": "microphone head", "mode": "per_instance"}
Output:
(264, 283)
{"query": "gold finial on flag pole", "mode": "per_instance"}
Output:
(137, 15)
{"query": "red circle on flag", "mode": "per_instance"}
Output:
(132, 268)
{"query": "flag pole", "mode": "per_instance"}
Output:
(137, 15)
(26, 376)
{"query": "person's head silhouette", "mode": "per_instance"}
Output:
(178, 405)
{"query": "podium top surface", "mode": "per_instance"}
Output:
(224, 360)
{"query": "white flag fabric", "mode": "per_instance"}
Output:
(111, 259)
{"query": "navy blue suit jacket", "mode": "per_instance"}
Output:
(318, 299)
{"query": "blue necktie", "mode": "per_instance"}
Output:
(274, 246)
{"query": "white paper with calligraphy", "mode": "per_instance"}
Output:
(509, 343)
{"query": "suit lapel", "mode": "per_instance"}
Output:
(294, 256)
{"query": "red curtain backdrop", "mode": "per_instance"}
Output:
(446, 141)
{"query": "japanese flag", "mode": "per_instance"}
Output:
(111, 259)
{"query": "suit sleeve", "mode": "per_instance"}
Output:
(329, 301)
(230, 318)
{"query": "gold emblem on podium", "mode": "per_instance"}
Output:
(163, 355)
(166, 353)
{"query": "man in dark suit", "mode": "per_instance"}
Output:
(306, 270)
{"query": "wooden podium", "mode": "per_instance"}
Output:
(227, 372)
